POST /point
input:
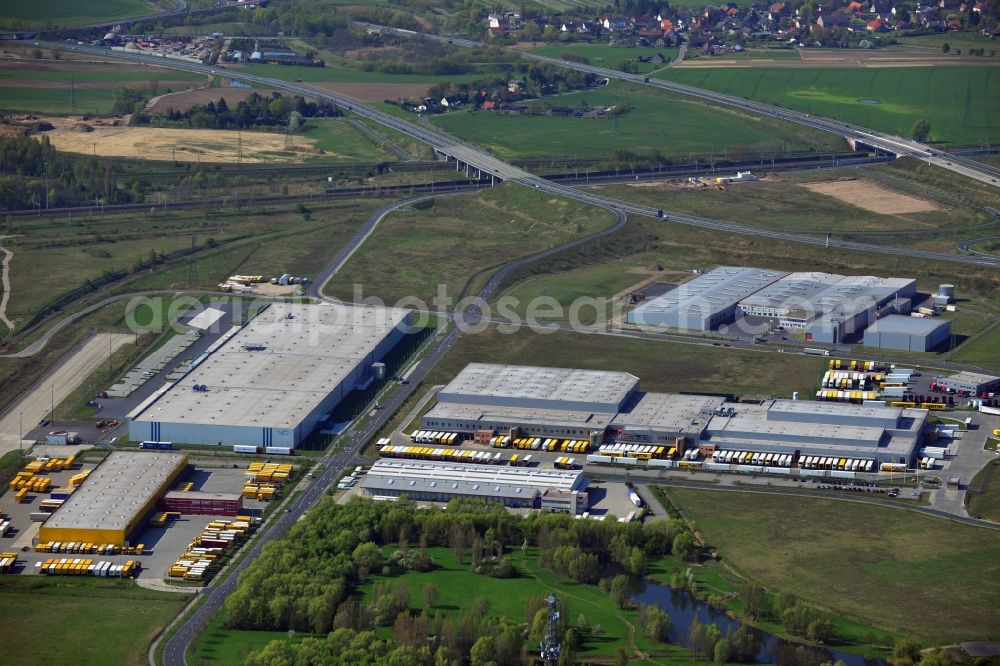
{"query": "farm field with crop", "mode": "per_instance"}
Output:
(962, 104)
(652, 121)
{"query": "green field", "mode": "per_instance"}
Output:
(54, 100)
(55, 256)
(962, 104)
(983, 351)
(660, 365)
(342, 140)
(68, 12)
(459, 241)
(603, 55)
(983, 498)
(671, 125)
(97, 622)
(897, 570)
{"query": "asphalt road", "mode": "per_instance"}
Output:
(345, 455)
(893, 144)
(490, 166)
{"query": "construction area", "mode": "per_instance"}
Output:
(270, 383)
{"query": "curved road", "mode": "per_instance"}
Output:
(345, 455)
(489, 165)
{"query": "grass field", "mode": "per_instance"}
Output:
(983, 351)
(660, 365)
(672, 125)
(984, 501)
(67, 12)
(784, 201)
(603, 55)
(344, 141)
(53, 256)
(96, 621)
(962, 104)
(897, 570)
(458, 241)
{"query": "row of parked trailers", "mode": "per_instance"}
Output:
(446, 455)
(84, 548)
(637, 451)
(66, 566)
(753, 458)
(853, 397)
(852, 380)
(431, 437)
(849, 364)
(539, 444)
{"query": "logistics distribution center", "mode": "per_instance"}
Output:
(516, 487)
(113, 500)
(619, 420)
(828, 307)
(271, 382)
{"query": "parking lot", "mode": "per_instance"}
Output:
(163, 545)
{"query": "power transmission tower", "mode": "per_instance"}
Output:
(550, 647)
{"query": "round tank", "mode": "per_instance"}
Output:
(795, 395)
(378, 371)
(947, 290)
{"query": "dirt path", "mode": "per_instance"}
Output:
(69, 374)
(5, 280)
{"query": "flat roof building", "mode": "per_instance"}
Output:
(705, 302)
(114, 498)
(540, 387)
(279, 376)
(517, 487)
(907, 333)
(850, 305)
(660, 417)
(972, 383)
(808, 428)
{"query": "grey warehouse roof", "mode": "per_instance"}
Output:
(794, 291)
(974, 378)
(715, 290)
(476, 480)
(907, 325)
(539, 387)
(669, 412)
(119, 487)
(520, 416)
(279, 367)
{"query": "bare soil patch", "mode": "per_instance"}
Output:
(376, 92)
(185, 99)
(157, 143)
(872, 196)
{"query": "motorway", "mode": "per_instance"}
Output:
(487, 164)
(894, 144)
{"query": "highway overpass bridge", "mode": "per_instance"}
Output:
(857, 137)
(478, 161)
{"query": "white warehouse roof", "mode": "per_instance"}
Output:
(539, 387)
(710, 292)
(278, 368)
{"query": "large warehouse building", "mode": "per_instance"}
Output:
(516, 487)
(707, 301)
(827, 306)
(908, 333)
(789, 427)
(275, 380)
(823, 429)
(115, 498)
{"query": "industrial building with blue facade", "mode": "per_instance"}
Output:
(907, 333)
(275, 379)
(829, 308)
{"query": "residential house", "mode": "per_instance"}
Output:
(613, 24)
(450, 102)
(829, 21)
(514, 86)
(878, 25)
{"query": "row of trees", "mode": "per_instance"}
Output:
(256, 110)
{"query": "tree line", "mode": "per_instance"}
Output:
(256, 110)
